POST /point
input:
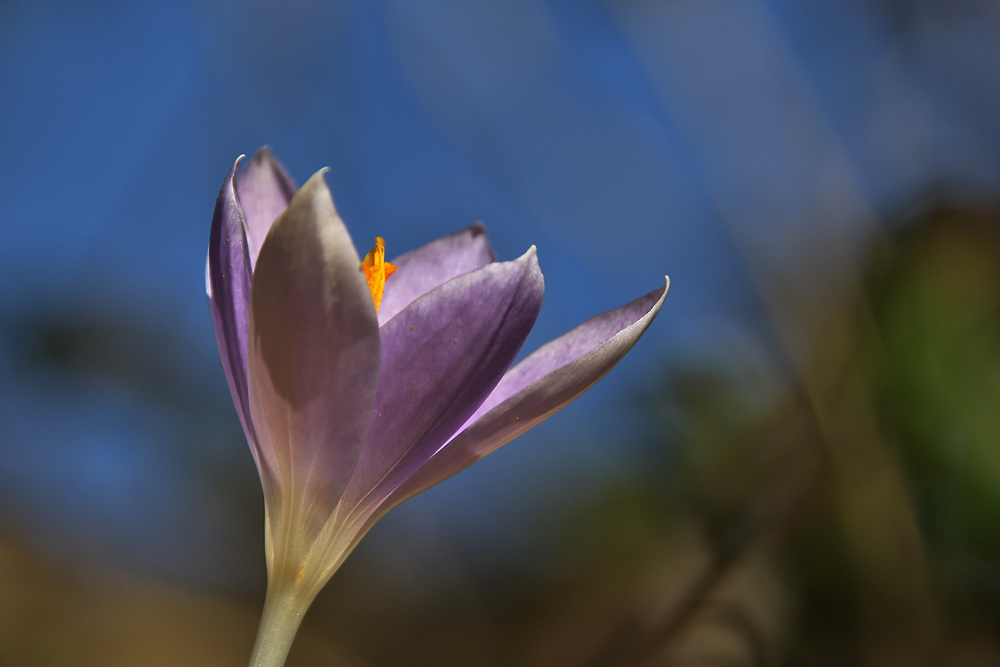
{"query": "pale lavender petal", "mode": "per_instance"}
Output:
(541, 385)
(228, 283)
(314, 355)
(421, 270)
(265, 189)
(571, 345)
(441, 356)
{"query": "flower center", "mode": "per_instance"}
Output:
(377, 270)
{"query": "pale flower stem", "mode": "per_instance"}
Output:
(284, 608)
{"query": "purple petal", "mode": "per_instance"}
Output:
(314, 354)
(228, 283)
(421, 270)
(538, 387)
(441, 356)
(265, 189)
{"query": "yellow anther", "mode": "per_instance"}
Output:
(377, 270)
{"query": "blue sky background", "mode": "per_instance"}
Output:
(712, 141)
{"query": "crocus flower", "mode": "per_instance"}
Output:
(353, 399)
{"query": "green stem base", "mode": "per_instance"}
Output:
(284, 609)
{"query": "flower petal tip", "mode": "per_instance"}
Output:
(263, 157)
(662, 291)
(478, 232)
(316, 187)
(319, 175)
(530, 261)
(231, 178)
(263, 154)
(666, 288)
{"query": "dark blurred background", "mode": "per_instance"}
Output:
(799, 464)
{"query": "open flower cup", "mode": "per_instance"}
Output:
(350, 408)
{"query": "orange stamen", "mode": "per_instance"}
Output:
(377, 270)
